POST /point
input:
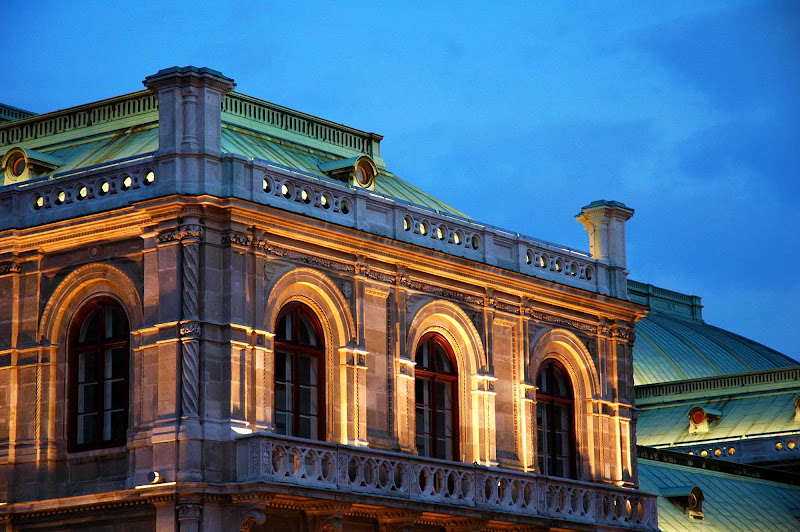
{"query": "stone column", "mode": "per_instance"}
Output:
(483, 419)
(191, 233)
(605, 223)
(353, 390)
(528, 429)
(190, 447)
(405, 414)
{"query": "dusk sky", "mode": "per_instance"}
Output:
(515, 113)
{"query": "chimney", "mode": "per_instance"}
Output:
(605, 223)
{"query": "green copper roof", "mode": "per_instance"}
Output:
(750, 406)
(669, 348)
(291, 154)
(732, 502)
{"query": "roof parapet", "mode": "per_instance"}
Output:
(666, 301)
(10, 114)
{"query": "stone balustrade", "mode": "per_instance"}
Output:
(66, 195)
(361, 471)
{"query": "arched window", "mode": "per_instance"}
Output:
(555, 420)
(99, 350)
(436, 398)
(299, 373)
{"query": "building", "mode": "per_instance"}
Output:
(217, 313)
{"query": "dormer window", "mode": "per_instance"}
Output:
(20, 164)
(358, 171)
(688, 498)
(700, 419)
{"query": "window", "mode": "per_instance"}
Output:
(99, 348)
(555, 420)
(436, 399)
(299, 361)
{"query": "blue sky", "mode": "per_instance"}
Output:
(516, 113)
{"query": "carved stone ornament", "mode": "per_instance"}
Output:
(558, 320)
(190, 328)
(346, 286)
(235, 237)
(380, 276)
(9, 267)
(441, 292)
(189, 231)
(361, 266)
(251, 519)
(189, 511)
(307, 259)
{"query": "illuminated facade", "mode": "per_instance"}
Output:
(220, 314)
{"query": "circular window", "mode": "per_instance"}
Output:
(17, 165)
(364, 173)
(698, 416)
(149, 178)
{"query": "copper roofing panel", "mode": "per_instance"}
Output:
(669, 348)
(731, 502)
(744, 415)
(261, 146)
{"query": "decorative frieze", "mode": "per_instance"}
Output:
(235, 237)
(304, 258)
(558, 320)
(440, 291)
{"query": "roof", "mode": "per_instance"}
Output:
(751, 413)
(731, 502)
(673, 343)
(125, 127)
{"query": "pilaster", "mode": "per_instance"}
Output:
(353, 390)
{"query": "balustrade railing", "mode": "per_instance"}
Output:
(290, 461)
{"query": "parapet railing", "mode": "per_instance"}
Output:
(105, 111)
(249, 108)
(111, 185)
(375, 213)
(293, 462)
(775, 376)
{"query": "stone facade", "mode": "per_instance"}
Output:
(202, 269)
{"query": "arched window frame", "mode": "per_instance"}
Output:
(105, 383)
(295, 349)
(547, 405)
(435, 376)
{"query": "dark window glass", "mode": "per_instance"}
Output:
(99, 349)
(299, 356)
(436, 400)
(555, 421)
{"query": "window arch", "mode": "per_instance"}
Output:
(299, 373)
(555, 421)
(99, 354)
(436, 390)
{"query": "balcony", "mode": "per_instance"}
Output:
(444, 487)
